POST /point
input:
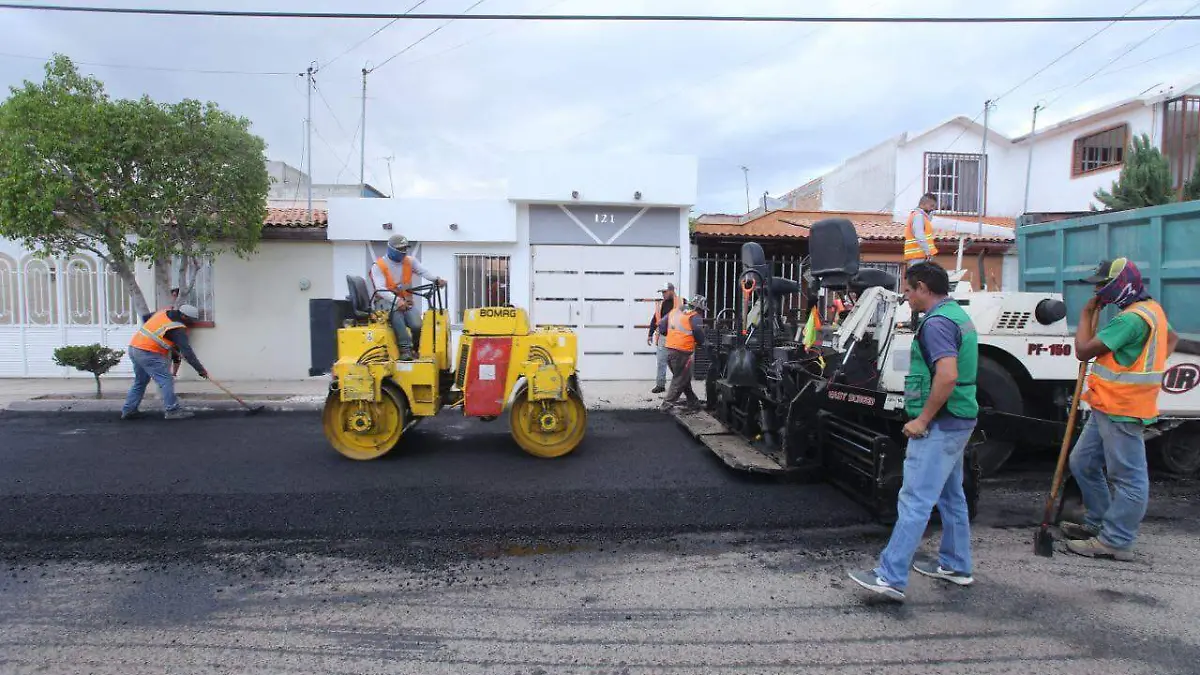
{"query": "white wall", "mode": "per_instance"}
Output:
(424, 220)
(866, 182)
(663, 180)
(1051, 187)
(1003, 193)
(262, 326)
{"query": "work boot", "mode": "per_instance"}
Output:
(667, 406)
(1094, 548)
(406, 354)
(132, 415)
(178, 414)
(692, 406)
(658, 389)
(1076, 531)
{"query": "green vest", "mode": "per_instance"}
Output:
(919, 381)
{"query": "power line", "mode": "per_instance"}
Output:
(422, 38)
(474, 39)
(377, 32)
(1122, 55)
(328, 107)
(597, 17)
(1067, 53)
(1139, 64)
(167, 69)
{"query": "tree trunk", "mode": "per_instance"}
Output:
(162, 283)
(125, 271)
(97, 385)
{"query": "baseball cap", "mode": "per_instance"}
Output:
(668, 286)
(1106, 271)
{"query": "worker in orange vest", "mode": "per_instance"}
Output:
(391, 275)
(162, 333)
(918, 232)
(684, 331)
(1122, 390)
(662, 310)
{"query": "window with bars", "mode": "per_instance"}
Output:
(954, 179)
(890, 267)
(1101, 150)
(203, 290)
(483, 281)
(1181, 137)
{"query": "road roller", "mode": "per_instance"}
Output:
(503, 365)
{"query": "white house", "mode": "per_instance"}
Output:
(1071, 159)
(583, 241)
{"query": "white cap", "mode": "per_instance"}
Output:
(667, 286)
(190, 311)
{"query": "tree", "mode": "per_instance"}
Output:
(129, 180)
(93, 359)
(1191, 189)
(1145, 179)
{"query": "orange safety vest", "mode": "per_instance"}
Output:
(658, 317)
(679, 331)
(152, 336)
(1132, 390)
(405, 276)
(912, 250)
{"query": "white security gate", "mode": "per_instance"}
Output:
(606, 294)
(46, 303)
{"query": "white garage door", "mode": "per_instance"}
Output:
(607, 294)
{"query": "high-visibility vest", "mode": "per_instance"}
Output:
(912, 250)
(152, 336)
(679, 331)
(658, 317)
(405, 277)
(1132, 391)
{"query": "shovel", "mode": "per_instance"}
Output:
(1043, 541)
(250, 410)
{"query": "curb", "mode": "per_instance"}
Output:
(112, 408)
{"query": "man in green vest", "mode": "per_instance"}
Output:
(939, 400)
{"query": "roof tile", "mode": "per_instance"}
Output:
(778, 224)
(295, 218)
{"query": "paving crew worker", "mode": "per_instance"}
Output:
(391, 275)
(918, 232)
(1122, 390)
(684, 330)
(662, 309)
(161, 333)
(939, 399)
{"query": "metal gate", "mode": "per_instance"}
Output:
(46, 303)
(717, 280)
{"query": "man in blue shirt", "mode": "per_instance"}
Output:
(939, 399)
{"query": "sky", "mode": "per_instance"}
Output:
(788, 101)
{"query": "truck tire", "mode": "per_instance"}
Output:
(1178, 451)
(997, 389)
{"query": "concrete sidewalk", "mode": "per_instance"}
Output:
(78, 394)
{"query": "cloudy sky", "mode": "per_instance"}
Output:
(787, 100)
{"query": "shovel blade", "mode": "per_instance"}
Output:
(1043, 543)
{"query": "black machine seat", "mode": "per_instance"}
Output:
(360, 299)
(870, 277)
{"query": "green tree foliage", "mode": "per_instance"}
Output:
(129, 180)
(1145, 179)
(1191, 190)
(93, 359)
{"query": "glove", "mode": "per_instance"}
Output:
(202, 373)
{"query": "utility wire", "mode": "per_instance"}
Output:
(596, 17)
(328, 107)
(422, 38)
(1139, 64)
(366, 39)
(1067, 53)
(1122, 55)
(474, 39)
(167, 69)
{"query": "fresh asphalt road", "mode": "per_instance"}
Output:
(245, 545)
(275, 474)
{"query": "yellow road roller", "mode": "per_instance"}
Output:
(502, 364)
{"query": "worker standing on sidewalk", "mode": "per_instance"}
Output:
(939, 399)
(684, 330)
(392, 276)
(663, 309)
(161, 333)
(1122, 390)
(918, 232)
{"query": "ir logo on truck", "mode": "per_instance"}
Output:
(1181, 378)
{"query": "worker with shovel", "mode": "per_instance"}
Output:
(150, 349)
(684, 330)
(1122, 390)
(939, 399)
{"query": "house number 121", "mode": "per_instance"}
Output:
(605, 218)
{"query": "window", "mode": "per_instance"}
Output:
(1181, 137)
(891, 268)
(200, 278)
(482, 281)
(1101, 150)
(954, 178)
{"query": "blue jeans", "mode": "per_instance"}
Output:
(660, 377)
(933, 474)
(1120, 447)
(147, 365)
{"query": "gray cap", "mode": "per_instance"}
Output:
(190, 311)
(668, 286)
